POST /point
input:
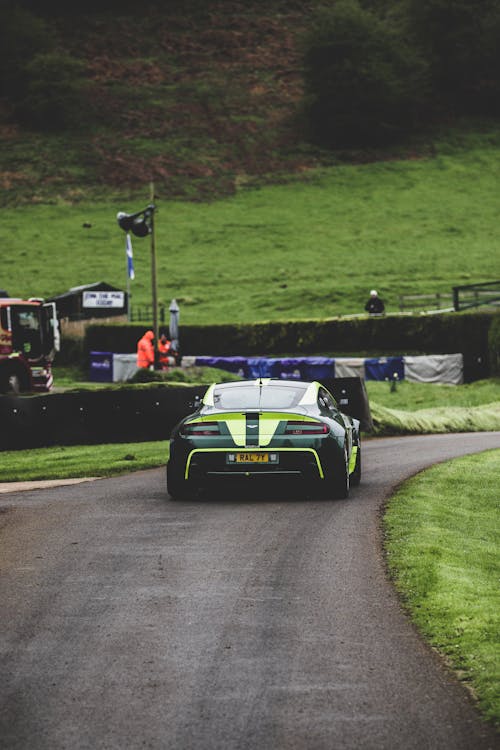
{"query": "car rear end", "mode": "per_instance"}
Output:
(252, 446)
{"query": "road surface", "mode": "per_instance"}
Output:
(132, 621)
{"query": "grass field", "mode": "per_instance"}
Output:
(442, 549)
(310, 248)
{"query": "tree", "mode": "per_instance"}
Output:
(365, 82)
(44, 86)
(460, 41)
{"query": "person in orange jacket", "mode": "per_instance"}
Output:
(146, 351)
(164, 346)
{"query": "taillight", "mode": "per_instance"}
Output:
(305, 428)
(193, 429)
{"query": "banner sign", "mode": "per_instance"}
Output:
(103, 299)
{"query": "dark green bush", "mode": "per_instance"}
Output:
(72, 352)
(365, 82)
(53, 95)
(460, 41)
(22, 37)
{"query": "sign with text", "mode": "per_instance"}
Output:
(103, 299)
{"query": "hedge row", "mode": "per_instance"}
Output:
(438, 334)
(494, 345)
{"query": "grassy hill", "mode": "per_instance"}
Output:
(253, 223)
(305, 249)
(199, 98)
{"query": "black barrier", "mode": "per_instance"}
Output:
(128, 415)
(92, 417)
(352, 398)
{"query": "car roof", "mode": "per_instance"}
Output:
(308, 390)
(264, 382)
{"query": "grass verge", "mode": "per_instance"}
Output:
(416, 408)
(410, 396)
(482, 418)
(62, 462)
(442, 541)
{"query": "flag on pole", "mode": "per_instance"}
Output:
(130, 257)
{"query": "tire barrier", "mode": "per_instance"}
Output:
(87, 417)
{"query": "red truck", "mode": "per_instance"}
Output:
(29, 339)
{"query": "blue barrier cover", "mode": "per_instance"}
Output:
(101, 367)
(288, 368)
(385, 368)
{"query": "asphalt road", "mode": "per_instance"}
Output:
(131, 621)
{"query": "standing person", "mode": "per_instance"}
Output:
(146, 351)
(375, 305)
(164, 346)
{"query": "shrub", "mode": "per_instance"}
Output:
(53, 94)
(364, 80)
(22, 36)
(460, 41)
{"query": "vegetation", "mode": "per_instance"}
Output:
(373, 70)
(442, 550)
(204, 97)
(61, 462)
(199, 96)
(312, 248)
(364, 79)
(435, 420)
(412, 397)
(416, 408)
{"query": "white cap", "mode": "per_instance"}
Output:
(373, 293)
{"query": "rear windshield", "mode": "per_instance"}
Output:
(258, 397)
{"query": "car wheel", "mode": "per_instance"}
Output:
(178, 488)
(342, 481)
(355, 478)
(336, 485)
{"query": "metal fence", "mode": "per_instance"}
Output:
(474, 295)
(461, 298)
(426, 302)
(144, 313)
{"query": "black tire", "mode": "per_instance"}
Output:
(178, 488)
(336, 486)
(342, 479)
(355, 478)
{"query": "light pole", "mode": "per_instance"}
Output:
(154, 283)
(141, 224)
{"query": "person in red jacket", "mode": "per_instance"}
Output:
(146, 351)
(164, 346)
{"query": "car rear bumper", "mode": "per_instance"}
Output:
(215, 463)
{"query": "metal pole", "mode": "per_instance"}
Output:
(128, 279)
(154, 287)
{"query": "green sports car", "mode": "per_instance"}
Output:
(265, 430)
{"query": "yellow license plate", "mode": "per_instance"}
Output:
(252, 458)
